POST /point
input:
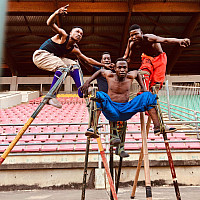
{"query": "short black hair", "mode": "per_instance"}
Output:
(106, 52)
(133, 27)
(120, 59)
(77, 27)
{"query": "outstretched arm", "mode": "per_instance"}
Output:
(90, 61)
(86, 65)
(51, 20)
(153, 38)
(85, 86)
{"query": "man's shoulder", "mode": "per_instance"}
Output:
(148, 37)
(132, 74)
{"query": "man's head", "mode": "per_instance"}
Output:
(136, 33)
(106, 59)
(76, 33)
(121, 68)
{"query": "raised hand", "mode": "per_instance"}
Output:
(62, 10)
(184, 42)
(109, 66)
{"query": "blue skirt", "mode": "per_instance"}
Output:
(114, 111)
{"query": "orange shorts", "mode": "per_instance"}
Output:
(156, 66)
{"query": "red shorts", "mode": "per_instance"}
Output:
(156, 66)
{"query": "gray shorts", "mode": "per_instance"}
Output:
(49, 62)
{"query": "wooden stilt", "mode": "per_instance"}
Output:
(85, 169)
(107, 169)
(34, 115)
(140, 161)
(146, 159)
(170, 160)
(112, 125)
(93, 118)
(122, 134)
(111, 169)
(118, 174)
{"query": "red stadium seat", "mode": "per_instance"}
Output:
(42, 138)
(69, 137)
(18, 148)
(193, 145)
(66, 147)
(27, 138)
(33, 148)
(2, 138)
(179, 145)
(160, 145)
(80, 147)
(55, 137)
(81, 137)
(3, 148)
(49, 147)
(137, 136)
(129, 146)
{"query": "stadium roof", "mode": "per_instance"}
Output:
(105, 25)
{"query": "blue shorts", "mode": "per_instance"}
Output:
(114, 111)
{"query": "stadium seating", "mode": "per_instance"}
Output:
(71, 137)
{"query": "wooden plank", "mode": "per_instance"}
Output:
(105, 7)
(177, 50)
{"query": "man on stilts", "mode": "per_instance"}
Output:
(116, 105)
(51, 55)
(154, 59)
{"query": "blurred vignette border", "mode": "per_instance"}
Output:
(3, 9)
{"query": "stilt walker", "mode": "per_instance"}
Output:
(162, 127)
(140, 161)
(155, 90)
(117, 132)
(111, 162)
(121, 131)
(146, 159)
(54, 89)
(93, 118)
(144, 132)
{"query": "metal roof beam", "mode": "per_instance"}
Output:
(177, 50)
(104, 7)
(126, 28)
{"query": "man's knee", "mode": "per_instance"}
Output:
(157, 85)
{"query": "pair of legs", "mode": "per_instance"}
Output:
(117, 136)
(49, 62)
(76, 74)
(155, 68)
(154, 74)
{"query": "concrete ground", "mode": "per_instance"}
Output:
(159, 193)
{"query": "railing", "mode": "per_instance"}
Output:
(191, 95)
(106, 142)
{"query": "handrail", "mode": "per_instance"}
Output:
(181, 107)
(100, 123)
(177, 86)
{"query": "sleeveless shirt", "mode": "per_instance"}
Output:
(55, 48)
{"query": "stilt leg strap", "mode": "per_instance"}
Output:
(66, 69)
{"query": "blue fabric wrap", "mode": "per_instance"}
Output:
(75, 74)
(114, 111)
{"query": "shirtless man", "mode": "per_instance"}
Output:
(154, 60)
(103, 86)
(52, 54)
(116, 105)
